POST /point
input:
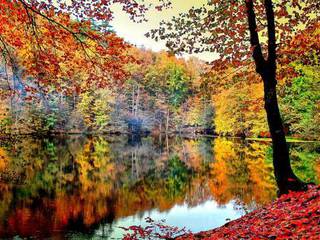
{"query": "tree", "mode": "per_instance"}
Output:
(239, 110)
(222, 27)
(169, 81)
(48, 50)
(95, 107)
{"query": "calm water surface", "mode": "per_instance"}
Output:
(86, 188)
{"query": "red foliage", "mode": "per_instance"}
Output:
(264, 134)
(293, 216)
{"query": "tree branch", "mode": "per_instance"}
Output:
(271, 34)
(74, 34)
(254, 37)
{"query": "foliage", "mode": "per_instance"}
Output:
(221, 27)
(168, 76)
(5, 119)
(200, 112)
(243, 115)
(95, 107)
(66, 67)
(300, 102)
(48, 65)
(177, 86)
(305, 161)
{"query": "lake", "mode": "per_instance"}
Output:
(78, 187)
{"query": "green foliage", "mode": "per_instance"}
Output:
(304, 160)
(300, 104)
(5, 124)
(177, 85)
(50, 121)
(95, 108)
(177, 176)
(168, 77)
(39, 120)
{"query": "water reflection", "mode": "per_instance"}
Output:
(79, 187)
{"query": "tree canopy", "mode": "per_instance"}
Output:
(221, 27)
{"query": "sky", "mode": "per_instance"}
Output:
(134, 32)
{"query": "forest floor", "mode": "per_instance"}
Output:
(292, 216)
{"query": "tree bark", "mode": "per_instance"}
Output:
(167, 121)
(137, 101)
(286, 179)
(160, 132)
(133, 102)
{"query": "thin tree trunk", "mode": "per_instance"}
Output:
(167, 129)
(167, 121)
(132, 108)
(137, 101)
(19, 95)
(160, 132)
(18, 85)
(167, 143)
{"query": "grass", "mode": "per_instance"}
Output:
(289, 140)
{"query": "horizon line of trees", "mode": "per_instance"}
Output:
(106, 85)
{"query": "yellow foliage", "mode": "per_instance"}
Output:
(239, 110)
(241, 172)
(3, 159)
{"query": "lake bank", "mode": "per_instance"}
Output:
(186, 135)
(293, 216)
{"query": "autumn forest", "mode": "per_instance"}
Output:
(125, 119)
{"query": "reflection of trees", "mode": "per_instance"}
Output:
(65, 188)
(77, 183)
(240, 171)
(177, 177)
(192, 155)
(305, 160)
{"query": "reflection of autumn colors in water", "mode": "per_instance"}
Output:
(76, 185)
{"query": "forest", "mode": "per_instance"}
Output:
(52, 82)
(156, 141)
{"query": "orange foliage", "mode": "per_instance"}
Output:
(58, 53)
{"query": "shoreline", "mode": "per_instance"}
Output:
(292, 216)
(186, 135)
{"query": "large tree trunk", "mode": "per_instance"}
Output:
(266, 68)
(286, 179)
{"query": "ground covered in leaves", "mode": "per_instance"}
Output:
(292, 216)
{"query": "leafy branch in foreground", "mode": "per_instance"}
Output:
(154, 230)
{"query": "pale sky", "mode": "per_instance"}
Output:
(134, 32)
